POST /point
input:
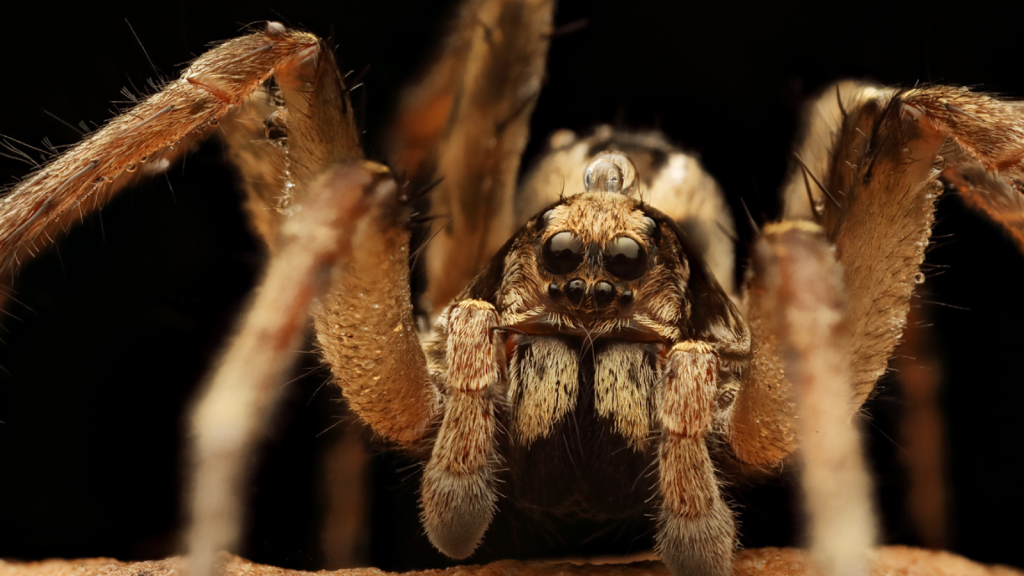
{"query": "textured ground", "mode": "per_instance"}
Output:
(892, 561)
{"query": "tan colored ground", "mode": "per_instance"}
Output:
(892, 561)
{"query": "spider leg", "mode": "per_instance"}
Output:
(815, 361)
(142, 141)
(881, 188)
(366, 333)
(279, 141)
(468, 123)
(288, 132)
(458, 495)
(284, 134)
(919, 375)
(891, 152)
(799, 285)
(243, 390)
(696, 529)
(875, 203)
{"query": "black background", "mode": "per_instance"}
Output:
(111, 335)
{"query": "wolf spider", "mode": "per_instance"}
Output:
(704, 358)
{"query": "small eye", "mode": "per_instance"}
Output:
(563, 253)
(545, 220)
(652, 228)
(625, 258)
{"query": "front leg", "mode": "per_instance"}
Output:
(366, 333)
(696, 532)
(458, 493)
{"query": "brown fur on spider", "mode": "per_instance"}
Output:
(595, 305)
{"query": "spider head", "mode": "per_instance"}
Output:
(593, 252)
(602, 264)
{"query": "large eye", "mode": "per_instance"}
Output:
(563, 253)
(625, 258)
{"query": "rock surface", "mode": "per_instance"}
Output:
(891, 561)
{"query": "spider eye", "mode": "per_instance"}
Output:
(625, 258)
(563, 253)
(652, 228)
(545, 220)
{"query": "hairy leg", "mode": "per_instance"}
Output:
(922, 431)
(468, 123)
(144, 140)
(804, 290)
(875, 202)
(458, 492)
(243, 390)
(279, 141)
(696, 529)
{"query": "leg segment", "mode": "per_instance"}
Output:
(875, 202)
(242, 392)
(696, 532)
(922, 431)
(280, 140)
(458, 483)
(365, 330)
(803, 287)
(142, 141)
(468, 122)
(288, 132)
(985, 158)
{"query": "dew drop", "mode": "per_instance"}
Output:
(214, 122)
(919, 278)
(130, 167)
